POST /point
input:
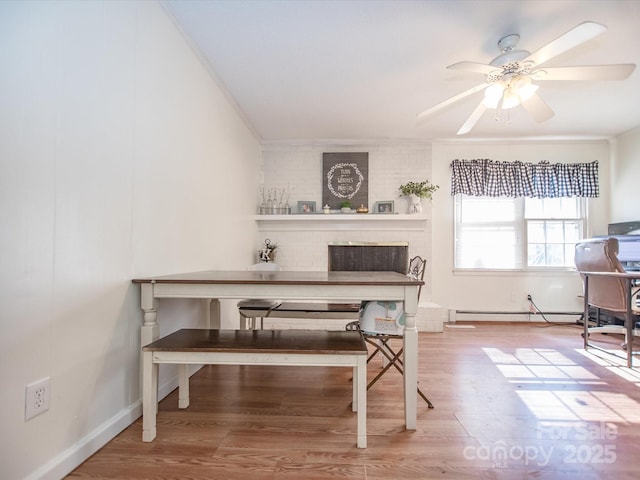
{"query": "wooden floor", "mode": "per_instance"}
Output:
(511, 402)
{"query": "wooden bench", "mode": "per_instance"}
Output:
(252, 347)
(250, 312)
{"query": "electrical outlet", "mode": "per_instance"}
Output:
(37, 398)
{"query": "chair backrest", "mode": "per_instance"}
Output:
(601, 255)
(265, 267)
(417, 267)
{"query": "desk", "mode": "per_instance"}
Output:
(629, 281)
(327, 286)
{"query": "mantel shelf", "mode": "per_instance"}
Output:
(341, 221)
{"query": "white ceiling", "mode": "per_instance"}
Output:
(318, 70)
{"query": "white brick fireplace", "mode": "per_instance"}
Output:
(303, 239)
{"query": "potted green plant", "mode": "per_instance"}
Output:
(416, 191)
(345, 207)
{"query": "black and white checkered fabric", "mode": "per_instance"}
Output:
(489, 178)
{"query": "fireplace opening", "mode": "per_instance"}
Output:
(368, 257)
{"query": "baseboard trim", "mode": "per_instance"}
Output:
(65, 462)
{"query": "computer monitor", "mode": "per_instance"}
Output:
(624, 228)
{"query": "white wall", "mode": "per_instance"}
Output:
(625, 195)
(120, 157)
(508, 291)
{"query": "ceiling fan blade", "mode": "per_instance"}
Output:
(574, 37)
(473, 119)
(537, 108)
(473, 67)
(591, 72)
(449, 101)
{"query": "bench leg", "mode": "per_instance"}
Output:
(243, 322)
(149, 396)
(183, 385)
(361, 380)
(247, 323)
(213, 314)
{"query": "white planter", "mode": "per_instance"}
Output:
(415, 204)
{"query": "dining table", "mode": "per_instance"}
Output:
(334, 286)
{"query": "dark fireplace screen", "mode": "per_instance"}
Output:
(369, 257)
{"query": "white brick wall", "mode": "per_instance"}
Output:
(299, 168)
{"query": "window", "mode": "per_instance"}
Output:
(517, 233)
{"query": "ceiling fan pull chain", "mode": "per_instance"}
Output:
(499, 108)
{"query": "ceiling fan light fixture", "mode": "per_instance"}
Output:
(510, 99)
(498, 96)
(524, 87)
(519, 89)
(493, 93)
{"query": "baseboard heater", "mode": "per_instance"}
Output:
(487, 312)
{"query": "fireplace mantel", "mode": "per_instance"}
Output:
(341, 221)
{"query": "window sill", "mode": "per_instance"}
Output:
(516, 273)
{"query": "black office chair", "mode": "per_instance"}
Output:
(382, 322)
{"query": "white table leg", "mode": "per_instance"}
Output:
(410, 378)
(410, 359)
(360, 377)
(149, 331)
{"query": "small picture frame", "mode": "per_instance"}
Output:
(306, 207)
(383, 207)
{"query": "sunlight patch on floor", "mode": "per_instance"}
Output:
(625, 406)
(603, 358)
(546, 405)
(561, 395)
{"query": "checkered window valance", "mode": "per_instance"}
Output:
(489, 178)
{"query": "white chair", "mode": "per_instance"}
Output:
(253, 308)
(383, 321)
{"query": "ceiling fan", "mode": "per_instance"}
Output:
(510, 77)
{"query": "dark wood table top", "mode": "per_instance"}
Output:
(285, 278)
(261, 341)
